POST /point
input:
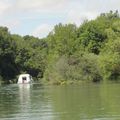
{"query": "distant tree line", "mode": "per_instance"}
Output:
(90, 52)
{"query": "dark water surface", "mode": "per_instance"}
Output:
(83, 102)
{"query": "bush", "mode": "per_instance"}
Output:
(74, 68)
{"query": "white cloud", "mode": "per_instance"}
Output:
(87, 7)
(4, 6)
(39, 5)
(81, 10)
(12, 24)
(31, 13)
(74, 16)
(101, 5)
(42, 30)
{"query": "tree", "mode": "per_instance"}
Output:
(62, 40)
(91, 35)
(8, 68)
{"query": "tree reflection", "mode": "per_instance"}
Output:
(92, 101)
(8, 101)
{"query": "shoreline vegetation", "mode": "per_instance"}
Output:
(68, 55)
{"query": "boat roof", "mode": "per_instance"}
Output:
(24, 75)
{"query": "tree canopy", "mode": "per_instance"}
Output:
(90, 52)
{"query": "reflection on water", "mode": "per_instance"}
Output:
(24, 94)
(24, 99)
(84, 102)
(87, 102)
(27, 102)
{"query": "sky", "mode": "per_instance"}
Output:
(38, 17)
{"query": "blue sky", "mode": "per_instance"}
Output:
(38, 17)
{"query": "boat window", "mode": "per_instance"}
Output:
(24, 78)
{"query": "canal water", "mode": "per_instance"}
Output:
(72, 102)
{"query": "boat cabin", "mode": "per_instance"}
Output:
(25, 78)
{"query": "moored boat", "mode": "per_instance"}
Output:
(25, 79)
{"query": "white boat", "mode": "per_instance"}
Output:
(24, 79)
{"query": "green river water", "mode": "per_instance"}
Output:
(72, 102)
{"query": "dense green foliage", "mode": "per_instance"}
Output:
(90, 52)
(21, 55)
